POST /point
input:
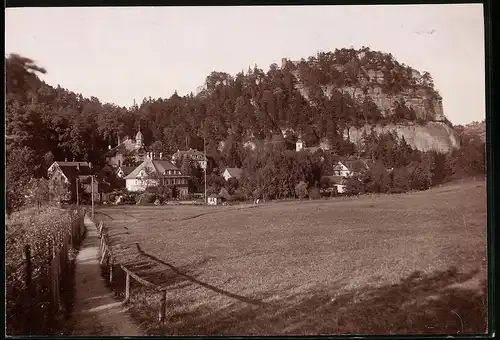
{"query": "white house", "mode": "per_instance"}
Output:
(349, 168)
(152, 172)
(232, 173)
(71, 172)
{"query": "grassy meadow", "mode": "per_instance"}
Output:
(409, 263)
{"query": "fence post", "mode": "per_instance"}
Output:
(110, 266)
(103, 255)
(163, 308)
(127, 287)
(27, 255)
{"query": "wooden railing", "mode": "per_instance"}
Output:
(109, 261)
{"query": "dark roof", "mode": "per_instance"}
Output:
(159, 166)
(127, 147)
(234, 172)
(126, 169)
(72, 169)
(190, 152)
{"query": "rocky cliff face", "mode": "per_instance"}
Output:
(417, 94)
(426, 107)
(435, 136)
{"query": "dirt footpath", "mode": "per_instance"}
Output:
(95, 310)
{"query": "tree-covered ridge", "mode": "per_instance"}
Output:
(361, 68)
(252, 103)
(45, 123)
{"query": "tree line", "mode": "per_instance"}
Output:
(45, 123)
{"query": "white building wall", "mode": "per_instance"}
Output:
(341, 188)
(135, 185)
(226, 175)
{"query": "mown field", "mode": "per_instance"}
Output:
(410, 263)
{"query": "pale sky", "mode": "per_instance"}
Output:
(122, 54)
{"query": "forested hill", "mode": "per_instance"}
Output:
(323, 96)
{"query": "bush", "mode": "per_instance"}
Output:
(29, 313)
(314, 193)
(146, 198)
(301, 190)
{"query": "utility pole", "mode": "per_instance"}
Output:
(206, 164)
(77, 200)
(92, 200)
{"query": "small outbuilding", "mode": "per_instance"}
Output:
(214, 199)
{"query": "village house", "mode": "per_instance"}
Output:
(323, 145)
(232, 173)
(71, 173)
(123, 171)
(350, 167)
(153, 171)
(214, 199)
(128, 149)
(193, 155)
(337, 184)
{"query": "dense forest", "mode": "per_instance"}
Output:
(45, 123)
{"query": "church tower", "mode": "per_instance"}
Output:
(139, 139)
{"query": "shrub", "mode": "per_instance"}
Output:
(37, 230)
(146, 198)
(314, 193)
(301, 189)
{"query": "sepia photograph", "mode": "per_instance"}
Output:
(246, 170)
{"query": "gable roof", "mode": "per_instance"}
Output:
(355, 165)
(190, 152)
(71, 169)
(126, 169)
(127, 147)
(158, 166)
(234, 172)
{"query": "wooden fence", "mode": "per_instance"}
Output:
(54, 274)
(107, 260)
